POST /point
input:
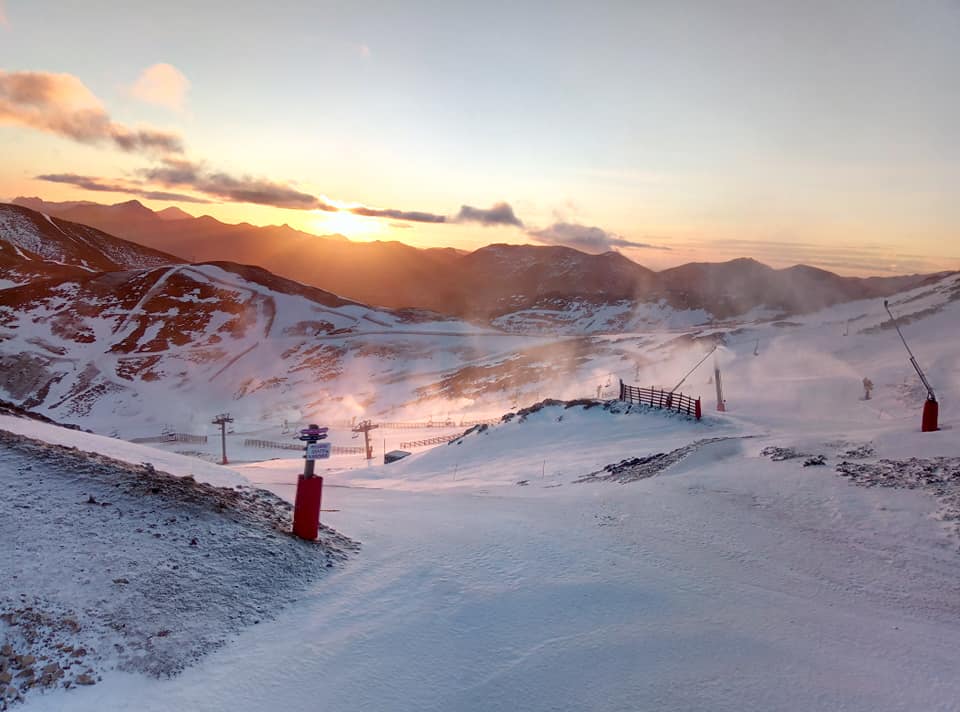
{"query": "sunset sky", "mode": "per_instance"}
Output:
(817, 132)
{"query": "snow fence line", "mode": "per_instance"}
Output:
(278, 445)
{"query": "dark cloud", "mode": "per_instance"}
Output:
(412, 216)
(499, 214)
(174, 171)
(181, 173)
(585, 238)
(259, 191)
(62, 105)
(102, 186)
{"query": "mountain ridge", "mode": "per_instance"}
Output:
(487, 283)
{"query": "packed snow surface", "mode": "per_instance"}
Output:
(725, 581)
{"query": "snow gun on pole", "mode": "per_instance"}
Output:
(721, 403)
(930, 407)
(715, 346)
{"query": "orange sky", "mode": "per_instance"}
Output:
(677, 133)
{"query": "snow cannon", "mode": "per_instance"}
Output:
(306, 504)
(931, 409)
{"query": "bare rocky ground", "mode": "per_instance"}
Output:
(937, 476)
(640, 468)
(108, 565)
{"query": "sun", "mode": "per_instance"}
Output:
(347, 224)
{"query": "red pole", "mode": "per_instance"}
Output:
(306, 507)
(697, 409)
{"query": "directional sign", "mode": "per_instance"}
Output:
(313, 433)
(318, 451)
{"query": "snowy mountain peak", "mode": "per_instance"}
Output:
(34, 244)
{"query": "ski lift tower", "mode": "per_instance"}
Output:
(931, 409)
(365, 427)
(222, 421)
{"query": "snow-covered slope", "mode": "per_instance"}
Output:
(131, 453)
(133, 351)
(116, 556)
(579, 316)
(158, 345)
(35, 245)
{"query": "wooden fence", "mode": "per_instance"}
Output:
(438, 440)
(450, 423)
(419, 426)
(659, 398)
(276, 445)
(171, 438)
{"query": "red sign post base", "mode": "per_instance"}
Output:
(931, 410)
(306, 507)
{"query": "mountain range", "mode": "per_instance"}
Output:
(100, 330)
(490, 284)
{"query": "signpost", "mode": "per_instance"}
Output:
(318, 451)
(306, 504)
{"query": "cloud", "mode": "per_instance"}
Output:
(499, 214)
(585, 238)
(101, 186)
(61, 104)
(4, 22)
(163, 85)
(413, 216)
(177, 172)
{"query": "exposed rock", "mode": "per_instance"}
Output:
(779, 454)
(640, 468)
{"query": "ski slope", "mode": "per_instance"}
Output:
(725, 582)
(490, 579)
